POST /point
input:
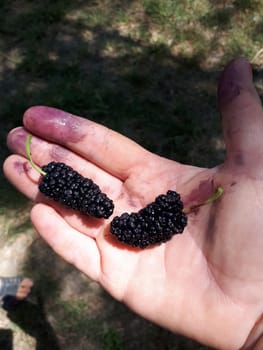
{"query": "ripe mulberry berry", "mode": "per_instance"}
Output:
(155, 223)
(66, 186)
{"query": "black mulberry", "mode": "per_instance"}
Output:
(63, 184)
(66, 186)
(155, 223)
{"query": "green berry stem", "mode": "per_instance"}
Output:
(211, 199)
(29, 156)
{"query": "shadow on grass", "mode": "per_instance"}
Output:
(6, 339)
(31, 318)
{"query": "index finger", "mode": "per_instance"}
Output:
(100, 145)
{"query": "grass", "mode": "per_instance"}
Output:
(79, 326)
(147, 69)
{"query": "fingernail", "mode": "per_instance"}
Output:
(236, 76)
(16, 140)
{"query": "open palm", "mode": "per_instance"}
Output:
(206, 283)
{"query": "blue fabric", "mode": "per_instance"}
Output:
(8, 290)
(9, 286)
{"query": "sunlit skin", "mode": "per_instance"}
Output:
(24, 289)
(206, 283)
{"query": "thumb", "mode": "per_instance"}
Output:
(242, 115)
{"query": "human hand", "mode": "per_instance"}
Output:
(206, 283)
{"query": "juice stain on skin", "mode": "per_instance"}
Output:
(55, 124)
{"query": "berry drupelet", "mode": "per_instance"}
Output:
(155, 223)
(68, 187)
